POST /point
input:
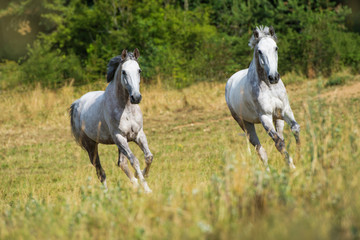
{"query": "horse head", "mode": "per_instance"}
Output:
(266, 52)
(130, 75)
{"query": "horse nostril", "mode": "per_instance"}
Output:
(270, 78)
(135, 99)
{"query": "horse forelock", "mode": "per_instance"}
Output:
(114, 64)
(264, 31)
(129, 56)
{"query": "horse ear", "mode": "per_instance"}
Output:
(256, 34)
(123, 54)
(136, 53)
(272, 31)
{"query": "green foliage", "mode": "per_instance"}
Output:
(20, 23)
(51, 68)
(181, 42)
(9, 74)
(312, 36)
(337, 80)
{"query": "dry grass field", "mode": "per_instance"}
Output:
(207, 181)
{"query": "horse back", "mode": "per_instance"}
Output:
(239, 96)
(91, 117)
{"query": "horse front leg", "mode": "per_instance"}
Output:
(122, 163)
(141, 141)
(123, 146)
(267, 123)
(295, 129)
(279, 125)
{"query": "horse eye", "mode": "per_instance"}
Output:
(259, 51)
(123, 72)
(139, 70)
(276, 48)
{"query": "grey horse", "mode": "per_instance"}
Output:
(257, 95)
(113, 116)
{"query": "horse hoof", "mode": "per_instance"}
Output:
(105, 185)
(292, 166)
(148, 191)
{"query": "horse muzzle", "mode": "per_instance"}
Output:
(135, 98)
(273, 79)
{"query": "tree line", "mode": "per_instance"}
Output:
(181, 41)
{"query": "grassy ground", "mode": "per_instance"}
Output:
(207, 181)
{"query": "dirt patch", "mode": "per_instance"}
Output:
(347, 91)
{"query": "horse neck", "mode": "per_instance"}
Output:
(257, 72)
(118, 92)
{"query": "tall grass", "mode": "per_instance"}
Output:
(207, 181)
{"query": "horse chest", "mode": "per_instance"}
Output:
(271, 103)
(130, 125)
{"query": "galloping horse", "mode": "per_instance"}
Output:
(113, 116)
(257, 95)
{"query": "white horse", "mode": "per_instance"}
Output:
(113, 116)
(257, 95)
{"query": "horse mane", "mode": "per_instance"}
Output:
(114, 63)
(263, 31)
(111, 67)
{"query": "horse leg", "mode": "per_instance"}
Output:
(295, 129)
(254, 140)
(279, 125)
(142, 143)
(92, 148)
(267, 123)
(122, 163)
(123, 146)
(249, 129)
(238, 120)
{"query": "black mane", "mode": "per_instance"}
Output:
(114, 63)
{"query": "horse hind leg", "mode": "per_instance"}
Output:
(249, 129)
(254, 140)
(92, 148)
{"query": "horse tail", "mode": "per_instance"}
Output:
(74, 129)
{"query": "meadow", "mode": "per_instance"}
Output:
(207, 180)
